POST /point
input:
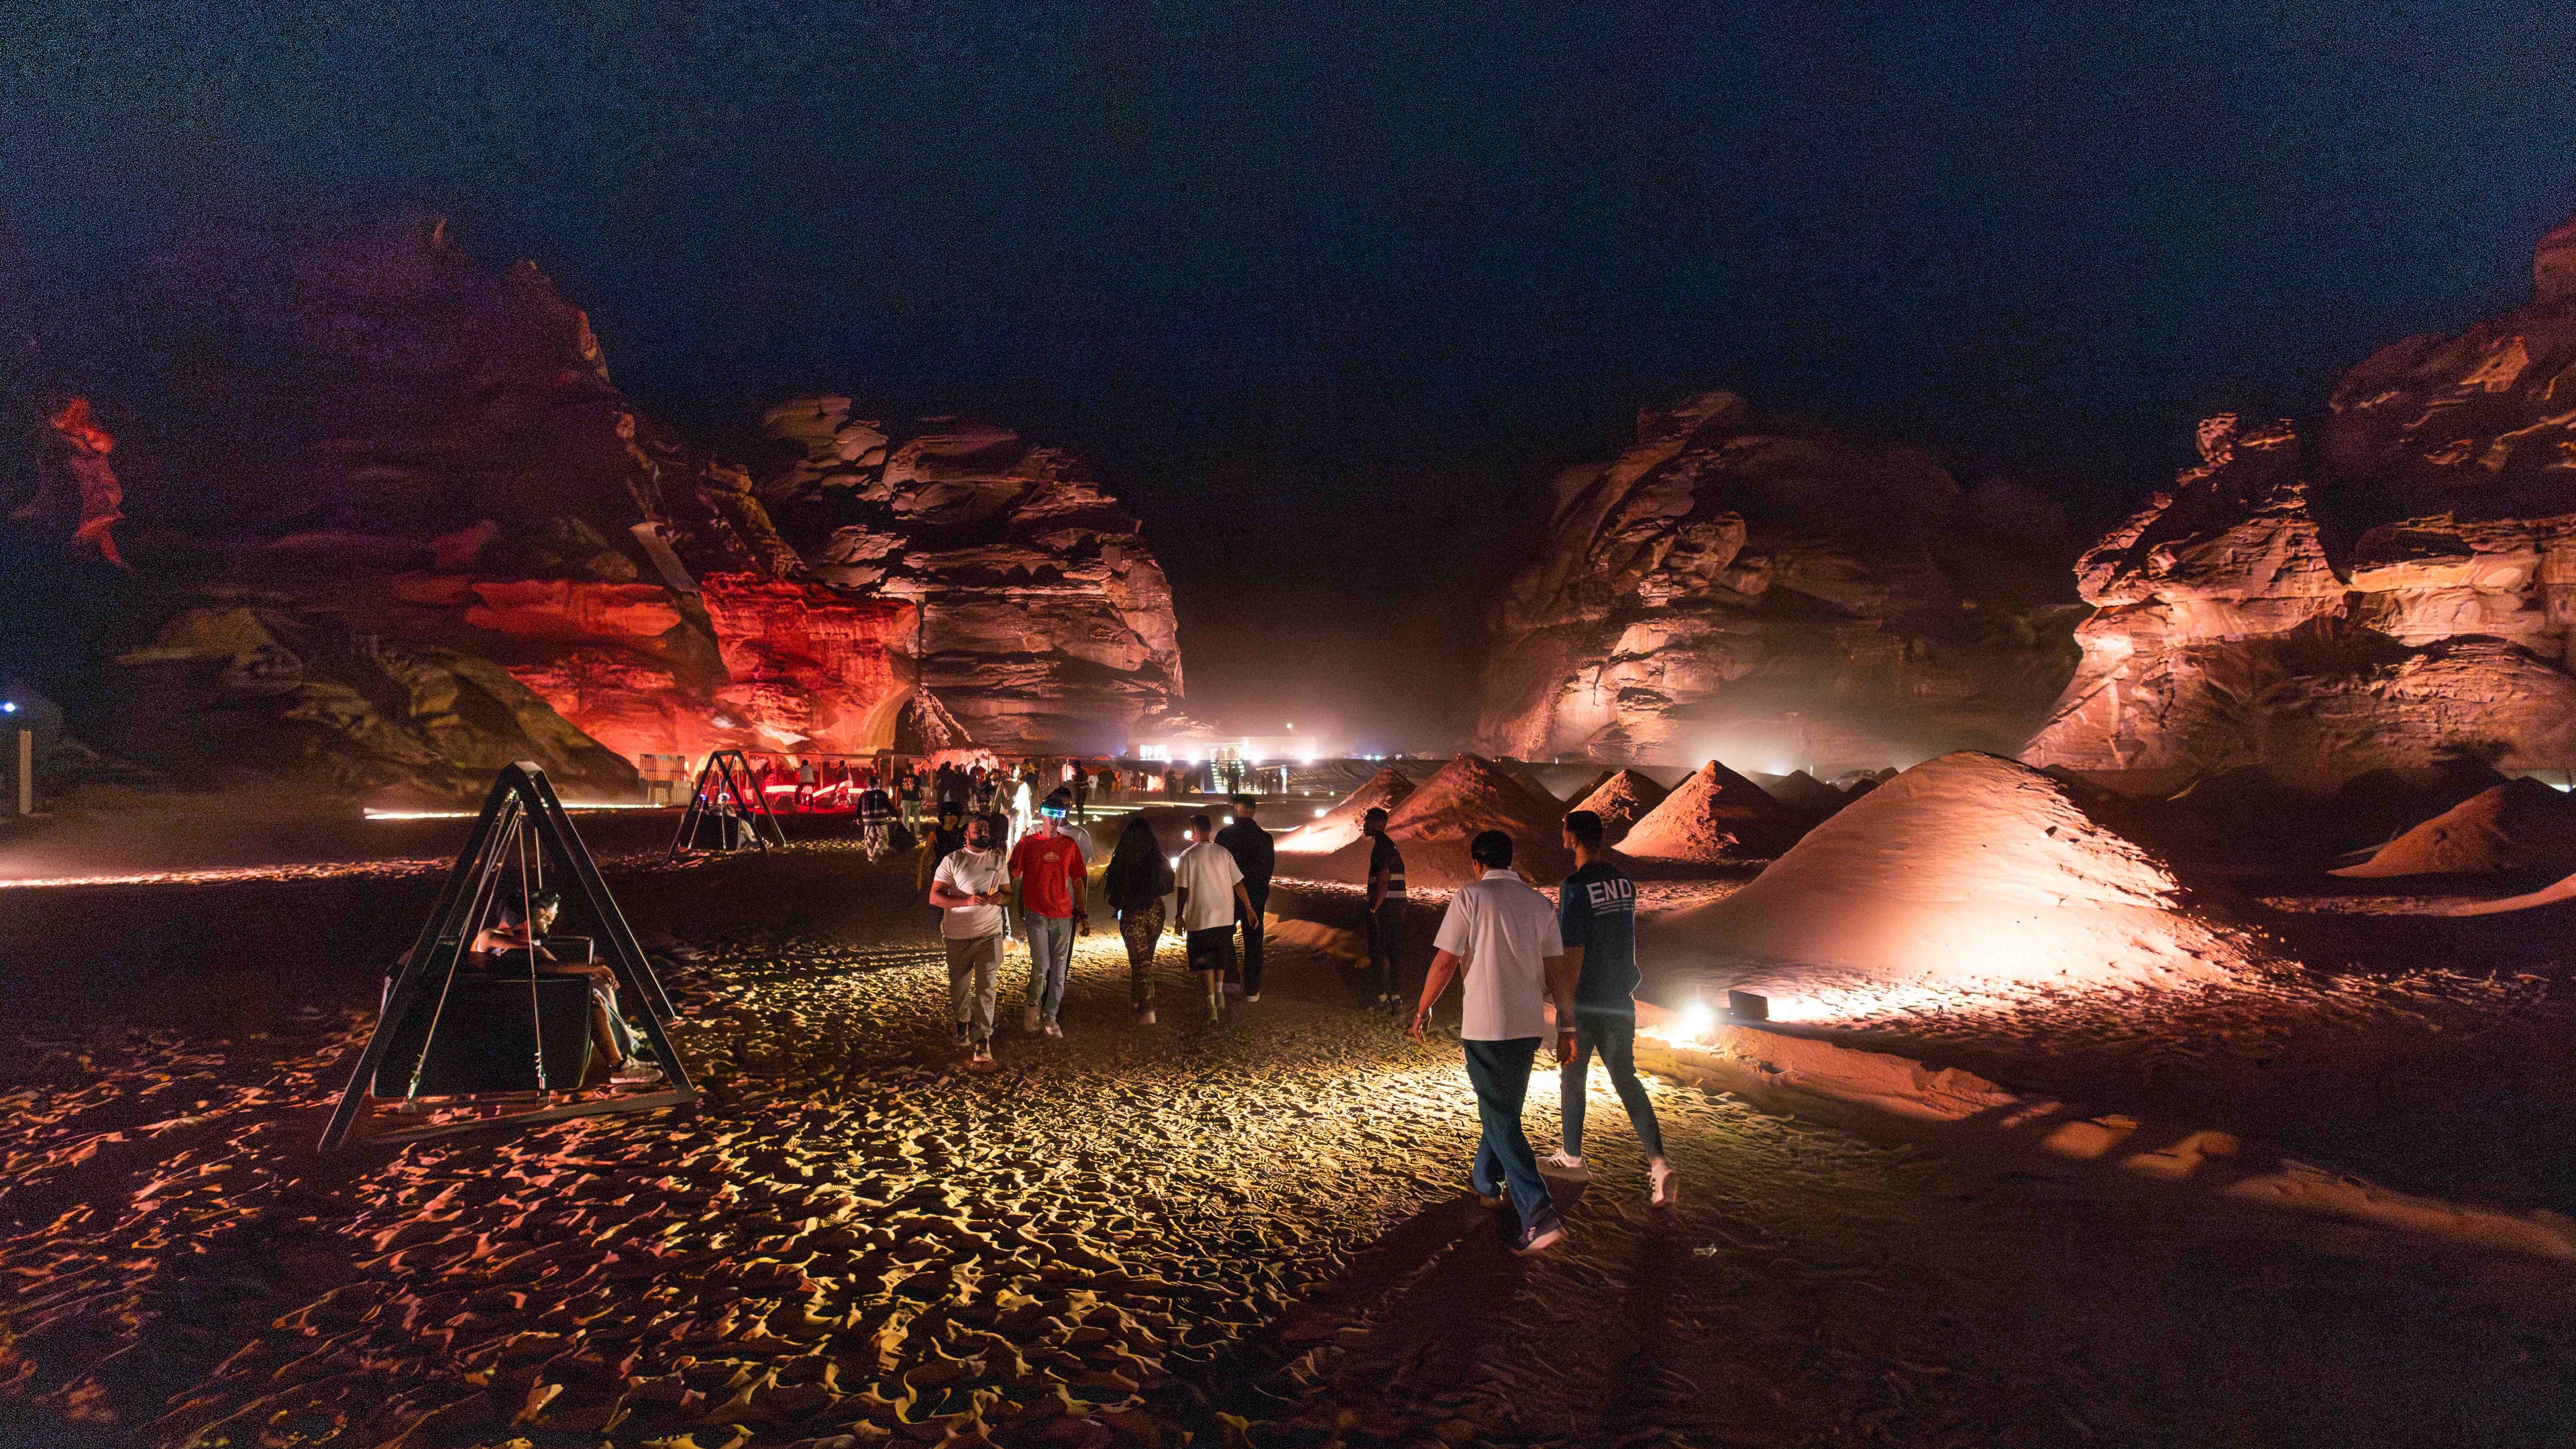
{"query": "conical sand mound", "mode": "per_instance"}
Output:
(1621, 801)
(1715, 815)
(1968, 867)
(1340, 825)
(1471, 794)
(2519, 825)
(1808, 795)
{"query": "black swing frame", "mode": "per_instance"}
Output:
(521, 798)
(720, 767)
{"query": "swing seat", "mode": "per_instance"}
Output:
(486, 1039)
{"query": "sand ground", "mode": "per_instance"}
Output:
(1255, 1232)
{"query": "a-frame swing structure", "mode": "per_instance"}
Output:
(727, 772)
(522, 825)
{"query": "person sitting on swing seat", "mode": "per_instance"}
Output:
(524, 929)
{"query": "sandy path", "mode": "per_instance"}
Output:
(1253, 1229)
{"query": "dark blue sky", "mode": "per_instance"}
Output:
(1325, 289)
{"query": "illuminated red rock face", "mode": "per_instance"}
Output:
(424, 455)
(1046, 622)
(2397, 595)
(1766, 592)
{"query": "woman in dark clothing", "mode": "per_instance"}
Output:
(1137, 880)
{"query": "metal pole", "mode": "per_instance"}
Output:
(26, 771)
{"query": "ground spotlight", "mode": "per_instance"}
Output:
(1698, 1020)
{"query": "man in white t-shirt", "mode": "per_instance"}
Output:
(1210, 886)
(969, 888)
(1503, 935)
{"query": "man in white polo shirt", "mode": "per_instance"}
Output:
(1503, 934)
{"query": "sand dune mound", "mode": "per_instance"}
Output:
(1434, 824)
(1622, 800)
(1339, 826)
(2519, 825)
(1969, 867)
(1807, 795)
(1716, 815)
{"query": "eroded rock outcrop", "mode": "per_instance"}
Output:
(373, 449)
(1045, 619)
(2389, 593)
(1766, 590)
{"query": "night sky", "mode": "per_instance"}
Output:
(1325, 291)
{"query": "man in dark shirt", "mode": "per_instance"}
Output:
(1253, 853)
(1596, 913)
(1385, 919)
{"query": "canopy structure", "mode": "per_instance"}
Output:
(727, 775)
(522, 825)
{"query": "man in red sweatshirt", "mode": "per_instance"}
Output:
(1047, 874)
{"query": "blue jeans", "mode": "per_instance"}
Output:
(1050, 958)
(1614, 1034)
(1500, 1071)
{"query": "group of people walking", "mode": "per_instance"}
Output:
(1515, 952)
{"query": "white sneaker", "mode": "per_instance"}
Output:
(1052, 1029)
(636, 1074)
(1660, 1173)
(1145, 1017)
(1029, 1020)
(1561, 1163)
(1255, 996)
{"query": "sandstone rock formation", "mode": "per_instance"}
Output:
(1715, 815)
(258, 693)
(1763, 589)
(1046, 621)
(2389, 593)
(386, 452)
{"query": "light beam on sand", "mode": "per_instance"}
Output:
(372, 813)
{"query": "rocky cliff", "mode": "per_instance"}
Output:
(2390, 590)
(1765, 591)
(1045, 621)
(399, 522)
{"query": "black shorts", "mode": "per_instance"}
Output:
(1211, 949)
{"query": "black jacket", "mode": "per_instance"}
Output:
(1253, 854)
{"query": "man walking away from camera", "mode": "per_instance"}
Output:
(968, 888)
(1596, 914)
(1257, 858)
(1212, 899)
(1502, 934)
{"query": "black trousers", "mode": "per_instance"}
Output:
(1251, 924)
(1385, 927)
